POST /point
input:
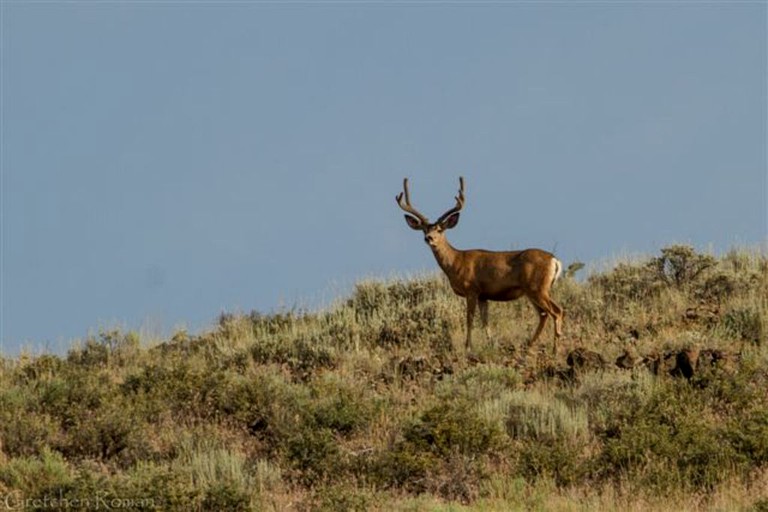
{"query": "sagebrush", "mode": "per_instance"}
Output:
(656, 400)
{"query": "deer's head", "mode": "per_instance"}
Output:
(434, 232)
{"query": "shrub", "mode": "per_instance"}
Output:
(442, 451)
(748, 434)
(111, 347)
(180, 385)
(220, 478)
(402, 467)
(372, 298)
(405, 313)
(264, 405)
(226, 497)
(627, 283)
(342, 498)
(42, 368)
(532, 416)
(37, 476)
(451, 427)
(314, 455)
(669, 442)
(91, 354)
(339, 407)
(549, 436)
(718, 287)
(302, 357)
(681, 265)
(111, 432)
(745, 324)
(27, 433)
(557, 460)
(267, 324)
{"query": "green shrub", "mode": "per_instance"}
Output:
(670, 442)
(264, 405)
(271, 324)
(402, 467)
(111, 347)
(180, 385)
(226, 497)
(220, 477)
(557, 459)
(340, 407)
(303, 357)
(107, 433)
(92, 353)
(531, 416)
(405, 313)
(314, 456)
(37, 476)
(745, 324)
(73, 392)
(441, 452)
(452, 426)
(376, 299)
(719, 287)
(27, 433)
(42, 368)
(748, 434)
(342, 498)
(760, 505)
(627, 283)
(681, 265)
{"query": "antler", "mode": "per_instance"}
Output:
(407, 205)
(459, 202)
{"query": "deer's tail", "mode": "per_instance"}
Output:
(557, 269)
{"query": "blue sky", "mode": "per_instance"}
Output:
(165, 162)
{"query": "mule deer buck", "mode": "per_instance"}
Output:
(481, 276)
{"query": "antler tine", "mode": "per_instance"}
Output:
(407, 205)
(459, 202)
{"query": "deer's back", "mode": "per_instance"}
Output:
(507, 275)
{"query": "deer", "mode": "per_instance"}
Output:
(480, 276)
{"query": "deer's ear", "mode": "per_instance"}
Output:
(451, 221)
(413, 222)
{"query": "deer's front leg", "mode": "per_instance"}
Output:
(471, 305)
(483, 306)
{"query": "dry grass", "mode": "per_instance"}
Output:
(372, 404)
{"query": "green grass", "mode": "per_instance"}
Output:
(372, 404)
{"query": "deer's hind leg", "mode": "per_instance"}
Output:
(557, 316)
(547, 307)
(542, 321)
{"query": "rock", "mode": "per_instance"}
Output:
(581, 359)
(628, 360)
(659, 364)
(686, 362)
(411, 367)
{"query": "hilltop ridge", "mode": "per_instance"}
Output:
(656, 400)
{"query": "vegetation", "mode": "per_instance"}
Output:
(656, 399)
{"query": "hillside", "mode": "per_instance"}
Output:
(656, 400)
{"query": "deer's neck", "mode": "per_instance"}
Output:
(447, 257)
